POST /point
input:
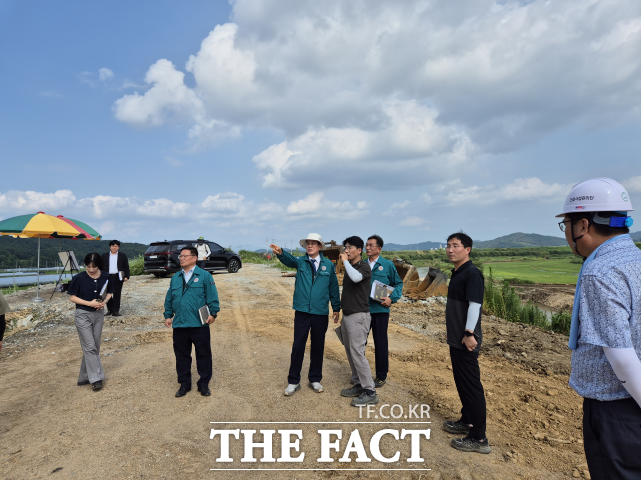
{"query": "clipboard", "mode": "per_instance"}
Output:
(379, 291)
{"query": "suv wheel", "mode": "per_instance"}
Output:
(233, 266)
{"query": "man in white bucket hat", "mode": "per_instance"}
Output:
(316, 286)
(605, 334)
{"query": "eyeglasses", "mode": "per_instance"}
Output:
(562, 224)
(372, 245)
(185, 256)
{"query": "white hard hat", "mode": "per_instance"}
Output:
(311, 236)
(597, 195)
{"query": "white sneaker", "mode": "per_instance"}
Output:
(318, 388)
(291, 389)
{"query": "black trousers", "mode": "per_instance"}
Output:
(379, 324)
(467, 377)
(113, 305)
(304, 323)
(612, 438)
(200, 338)
(2, 326)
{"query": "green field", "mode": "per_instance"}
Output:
(539, 271)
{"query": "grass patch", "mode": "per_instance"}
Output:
(12, 289)
(539, 271)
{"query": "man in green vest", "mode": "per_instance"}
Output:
(189, 290)
(385, 272)
(316, 286)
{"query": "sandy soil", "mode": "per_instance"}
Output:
(553, 296)
(136, 428)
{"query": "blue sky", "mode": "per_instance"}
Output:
(271, 119)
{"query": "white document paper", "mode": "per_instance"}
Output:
(121, 275)
(380, 290)
(103, 291)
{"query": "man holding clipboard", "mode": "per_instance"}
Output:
(189, 292)
(385, 272)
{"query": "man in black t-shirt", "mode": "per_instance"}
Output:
(464, 336)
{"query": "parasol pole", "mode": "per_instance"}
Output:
(38, 297)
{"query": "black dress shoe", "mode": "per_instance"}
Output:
(116, 314)
(204, 392)
(182, 391)
(108, 313)
(96, 386)
(86, 382)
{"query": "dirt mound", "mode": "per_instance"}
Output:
(551, 296)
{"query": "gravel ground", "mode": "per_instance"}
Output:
(135, 427)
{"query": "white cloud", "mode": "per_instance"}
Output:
(228, 209)
(426, 197)
(633, 184)
(174, 162)
(412, 221)
(167, 99)
(521, 190)
(19, 202)
(105, 74)
(335, 77)
(315, 205)
(411, 141)
(395, 208)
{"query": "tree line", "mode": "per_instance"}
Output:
(23, 252)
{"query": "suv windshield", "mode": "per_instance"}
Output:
(158, 248)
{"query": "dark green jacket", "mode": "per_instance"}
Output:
(313, 294)
(385, 272)
(183, 303)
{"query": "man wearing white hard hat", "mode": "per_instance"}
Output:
(316, 286)
(605, 334)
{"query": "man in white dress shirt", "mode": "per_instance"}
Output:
(116, 264)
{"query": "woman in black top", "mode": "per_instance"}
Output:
(85, 291)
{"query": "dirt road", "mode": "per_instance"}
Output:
(136, 428)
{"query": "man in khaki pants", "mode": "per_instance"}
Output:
(356, 322)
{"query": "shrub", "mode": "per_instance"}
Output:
(137, 265)
(561, 322)
(519, 281)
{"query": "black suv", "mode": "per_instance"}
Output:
(161, 258)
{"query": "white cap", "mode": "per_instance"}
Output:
(597, 195)
(311, 236)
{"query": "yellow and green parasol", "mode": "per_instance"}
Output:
(41, 225)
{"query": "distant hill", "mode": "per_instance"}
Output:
(393, 247)
(514, 240)
(636, 236)
(25, 250)
(522, 240)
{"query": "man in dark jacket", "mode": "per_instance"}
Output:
(316, 286)
(356, 322)
(189, 290)
(116, 264)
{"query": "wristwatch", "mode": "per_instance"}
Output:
(470, 334)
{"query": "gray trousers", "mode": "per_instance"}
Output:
(355, 328)
(89, 326)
